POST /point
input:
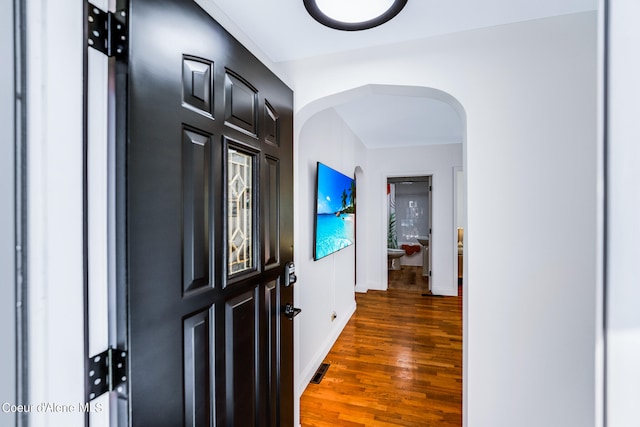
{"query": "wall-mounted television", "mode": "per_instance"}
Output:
(335, 211)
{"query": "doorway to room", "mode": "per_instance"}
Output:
(319, 128)
(459, 209)
(409, 222)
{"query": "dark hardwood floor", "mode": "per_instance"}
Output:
(408, 278)
(398, 362)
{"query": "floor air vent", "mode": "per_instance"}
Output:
(317, 377)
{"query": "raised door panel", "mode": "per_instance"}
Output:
(271, 124)
(241, 326)
(197, 85)
(196, 164)
(198, 370)
(271, 212)
(241, 104)
(272, 343)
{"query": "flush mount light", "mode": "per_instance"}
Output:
(353, 15)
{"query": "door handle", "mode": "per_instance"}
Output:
(290, 311)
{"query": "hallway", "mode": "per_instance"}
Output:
(398, 362)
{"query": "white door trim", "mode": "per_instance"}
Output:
(55, 272)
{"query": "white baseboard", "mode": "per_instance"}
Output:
(376, 286)
(308, 372)
(362, 288)
(445, 292)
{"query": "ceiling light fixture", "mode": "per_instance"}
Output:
(353, 15)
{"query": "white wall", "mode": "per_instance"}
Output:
(531, 304)
(327, 285)
(623, 210)
(437, 161)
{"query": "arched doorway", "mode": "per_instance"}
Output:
(323, 134)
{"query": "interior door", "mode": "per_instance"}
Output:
(210, 226)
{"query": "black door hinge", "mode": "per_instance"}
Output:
(107, 372)
(107, 31)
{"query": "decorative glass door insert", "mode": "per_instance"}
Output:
(240, 211)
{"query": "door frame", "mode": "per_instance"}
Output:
(8, 224)
(456, 206)
(617, 397)
(385, 215)
(53, 132)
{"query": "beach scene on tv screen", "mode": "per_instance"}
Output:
(335, 225)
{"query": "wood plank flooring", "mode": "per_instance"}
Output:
(408, 278)
(398, 362)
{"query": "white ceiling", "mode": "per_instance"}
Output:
(283, 31)
(403, 120)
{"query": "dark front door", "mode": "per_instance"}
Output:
(209, 223)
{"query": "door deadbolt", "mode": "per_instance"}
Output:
(290, 274)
